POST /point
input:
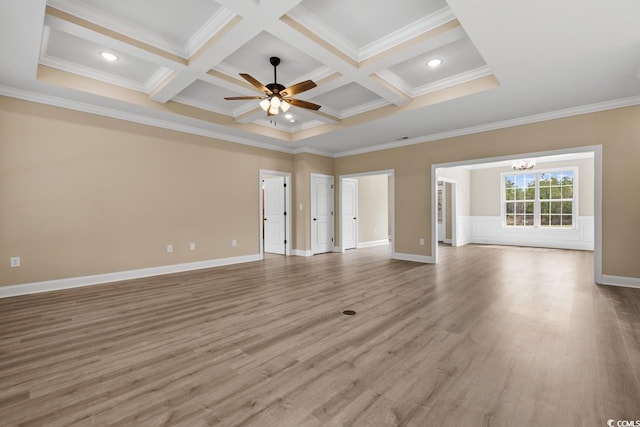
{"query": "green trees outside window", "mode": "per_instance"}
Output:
(539, 199)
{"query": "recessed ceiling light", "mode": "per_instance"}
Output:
(292, 120)
(109, 56)
(433, 63)
(288, 116)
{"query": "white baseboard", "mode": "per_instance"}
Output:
(76, 282)
(411, 257)
(373, 243)
(578, 246)
(627, 282)
(447, 241)
(337, 249)
(302, 252)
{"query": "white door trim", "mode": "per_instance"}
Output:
(454, 211)
(287, 221)
(597, 197)
(312, 200)
(355, 213)
(392, 207)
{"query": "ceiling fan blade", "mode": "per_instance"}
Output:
(238, 98)
(256, 83)
(298, 88)
(302, 104)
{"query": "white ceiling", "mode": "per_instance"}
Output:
(504, 63)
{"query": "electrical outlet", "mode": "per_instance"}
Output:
(422, 242)
(14, 261)
(192, 246)
(234, 243)
(169, 248)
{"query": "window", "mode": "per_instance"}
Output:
(544, 199)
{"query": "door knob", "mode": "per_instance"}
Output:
(315, 219)
(354, 217)
(265, 219)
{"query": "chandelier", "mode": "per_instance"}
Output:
(522, 165)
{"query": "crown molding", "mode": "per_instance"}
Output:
(536, 118)
(135, 118)
(91, 73)
(156, 78)
(456, 79)
(288, 127)
(363, 108)
(324, 31)
(210, 28)
(308, 150)
(396, 81)
(199, 104)
(118, 25)
(306, 125)
(406, 33)
(244, 108)
(321, 29)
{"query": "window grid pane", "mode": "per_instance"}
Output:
(555, 198)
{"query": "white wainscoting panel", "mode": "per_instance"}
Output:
(463, 230)
(489, 230)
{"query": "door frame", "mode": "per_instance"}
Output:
(333, 210)
(342, 180)
(392, 201)
(454, 212)
(287, 221)
(597, 196)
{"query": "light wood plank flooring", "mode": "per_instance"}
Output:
(491, 336)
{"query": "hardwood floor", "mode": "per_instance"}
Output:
(490, 336)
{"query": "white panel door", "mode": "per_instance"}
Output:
(274, 215)
(349, 213)
(321, 214)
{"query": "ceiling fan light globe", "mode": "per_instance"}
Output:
(273, 109)
(284, 106)
(265, 103)
(275, 102)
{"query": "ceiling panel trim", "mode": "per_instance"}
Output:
(82, 28)
(316, 25)
(363, 108)
(209, 29)
(92, 73)
(423, 25)
(103, 20)
(452, 81)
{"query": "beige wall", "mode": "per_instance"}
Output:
(618, 131)
(485, 187)
(373, 210)
(82, 194)
(304, 165)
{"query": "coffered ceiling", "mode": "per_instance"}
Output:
(503, 63)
